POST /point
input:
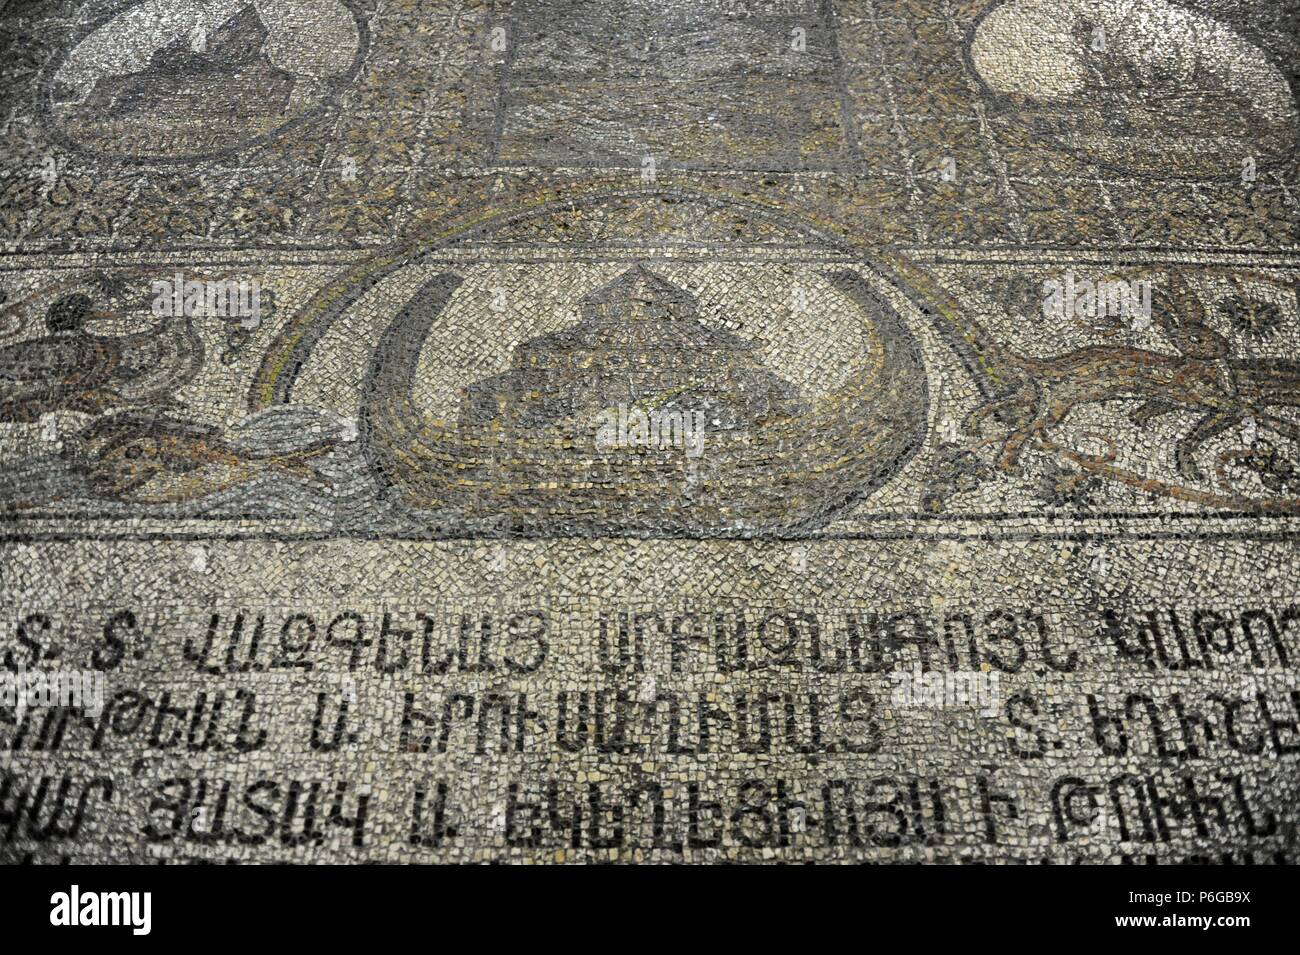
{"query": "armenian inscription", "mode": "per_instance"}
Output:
(693, 431)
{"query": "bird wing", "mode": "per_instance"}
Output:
(48, 360)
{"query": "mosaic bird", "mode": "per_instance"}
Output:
(70, 369)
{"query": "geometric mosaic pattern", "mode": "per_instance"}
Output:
(828, 430)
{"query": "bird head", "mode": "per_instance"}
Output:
(70, 313)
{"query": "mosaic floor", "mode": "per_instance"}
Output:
(673, 431)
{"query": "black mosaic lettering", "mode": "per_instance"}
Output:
(690, 431)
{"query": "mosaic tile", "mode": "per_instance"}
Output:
(694, 431)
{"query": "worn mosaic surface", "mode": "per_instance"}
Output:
(677, 431)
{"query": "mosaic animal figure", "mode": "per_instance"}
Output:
(70, 369)
(147, 458)
(1203, 378)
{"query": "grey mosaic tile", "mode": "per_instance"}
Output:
(682, 432)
